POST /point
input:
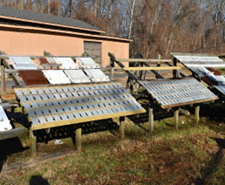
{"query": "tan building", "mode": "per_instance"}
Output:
(28, 33)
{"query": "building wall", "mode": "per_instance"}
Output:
(34, 43)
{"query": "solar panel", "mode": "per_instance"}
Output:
(87, 62)
(4, 121)
(77, 76)
(178, 92)
(19, 62)
(66, 63)
(56, 77)
(96, 75)
(81, 108)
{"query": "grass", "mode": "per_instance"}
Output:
(167, 156)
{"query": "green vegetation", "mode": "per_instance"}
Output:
(185, 156)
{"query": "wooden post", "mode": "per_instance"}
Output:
(176, 118)
(122, 127)
(151, 120)
(3, 83)
(197, 110)
(78, 138)
(33, 144)
(112, 65)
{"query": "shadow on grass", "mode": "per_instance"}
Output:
(9, 147)
(70, 131)
(37, 179)
(211, 168)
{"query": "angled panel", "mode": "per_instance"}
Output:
(56, 77)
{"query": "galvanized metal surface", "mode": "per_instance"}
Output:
(22, 63)
(200, 61)
(56, 77)
(77, 76)
(174, 92)
(66, 63)
(76, 103)
(4, 121)
(96, 75)
(87, 62)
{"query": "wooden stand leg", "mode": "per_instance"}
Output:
(78, 138)
(111, 73)
(33, 144)
(197, 110)
(122, 127)
(176, 118)
(3, 83)
(151, 120)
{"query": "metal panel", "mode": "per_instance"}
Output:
(84, 105)
(178, 92)
(32, 77)
(96, 75)
(77, 76)
(22, 63)
(56, 77)
(93, 49)
(4, 121)
(87, 62)
(66, 63)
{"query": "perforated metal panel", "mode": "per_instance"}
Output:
(4, 121)
(56, 77)
(96, 75)
(87, 62)
(62, 105)
(66, 63)
(178, 92)
(22, 62)
(77, 76)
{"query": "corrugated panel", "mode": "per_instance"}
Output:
(178, 92)
(220, 88)
(33, 77)
(22, 63)
(77, 76)
(56, 77)
(96, 75)
(66, 63)
(4, 121)
(76, 104)
(87, 62)
(200, 61)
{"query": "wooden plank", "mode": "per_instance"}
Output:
(33, 144)
(176, 118)
(150, 68)
(111, 73)
(16, 132)
(3, 82)
(78, 139)
(142, 60)
(151, 120)
(197, 110)
(122, 127)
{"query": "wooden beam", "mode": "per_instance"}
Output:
(122, 127)
(142, 60)
(3, 82)
(151, 120)
(16, 132)
(78, 139)
(197, 110)
(176, 118)
(33, 144)
(150, 68)
(157, 75)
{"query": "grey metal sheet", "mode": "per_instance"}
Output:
(20, 62)
(176, 92)
(87, 62)
(66, 63)
(57, 104)
(96, 75)
(77, 76)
